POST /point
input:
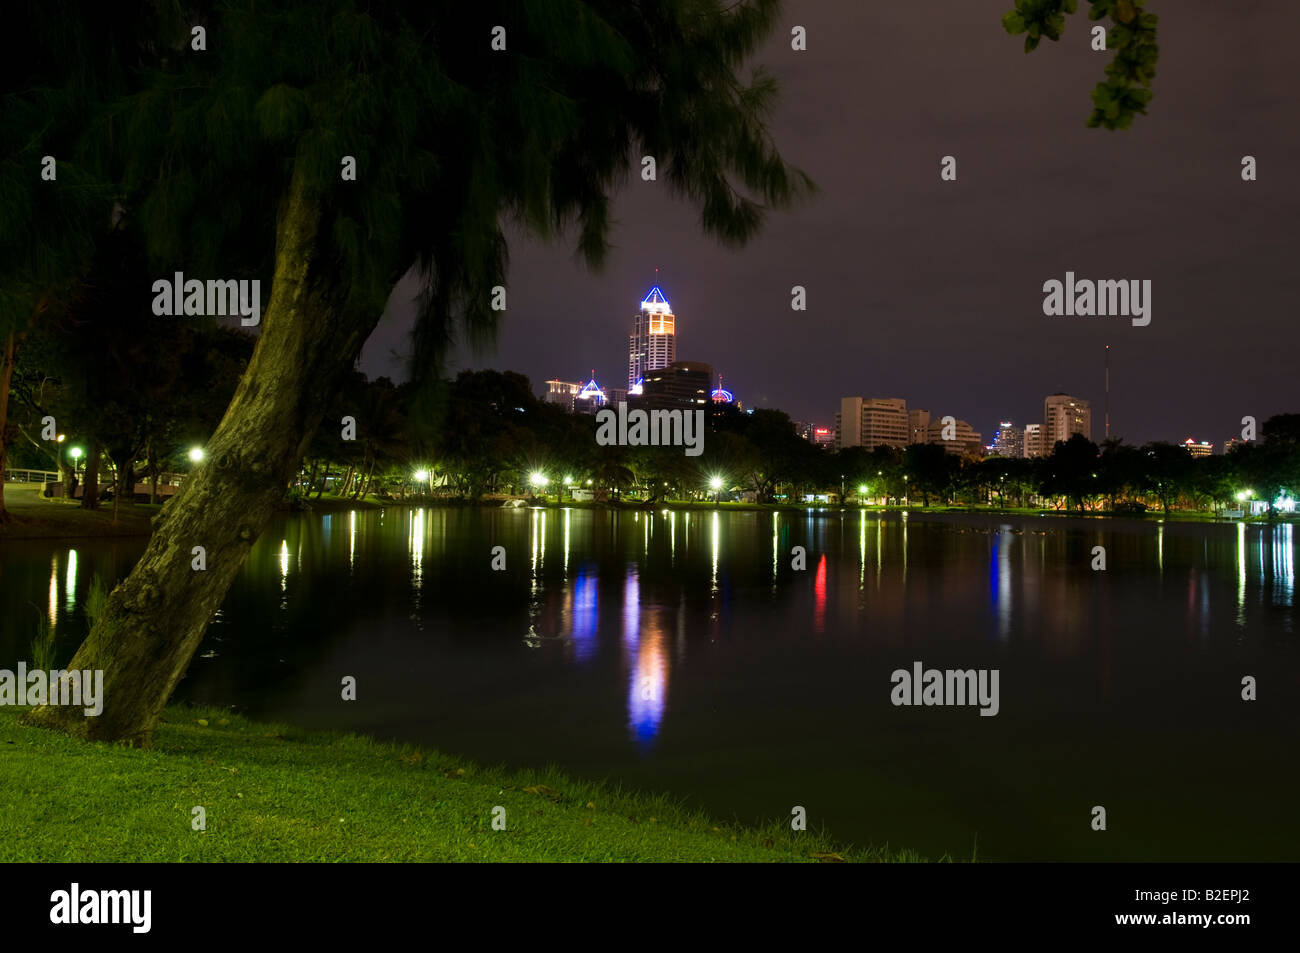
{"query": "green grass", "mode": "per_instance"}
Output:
(33, 517)
(276, 793)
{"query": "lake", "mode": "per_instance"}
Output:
(682, 652)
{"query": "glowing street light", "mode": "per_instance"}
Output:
(75, 453)
(538, 481)
(62, 437)
(196, 454)
(421, 476)
(715, 484)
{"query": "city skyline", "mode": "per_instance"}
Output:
(910, 289)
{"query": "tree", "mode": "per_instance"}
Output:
(929, 470)
(1071, 470)
(54, 208)
(1168, 468)
(1127, 88)
(230, 163)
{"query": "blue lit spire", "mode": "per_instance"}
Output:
(656, 297)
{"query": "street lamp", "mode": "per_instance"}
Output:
(196, 454)
(715, 484)
(538, 480)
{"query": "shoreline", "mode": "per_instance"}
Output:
(32, 517)
(275, 793)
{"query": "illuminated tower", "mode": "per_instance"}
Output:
(652, 345)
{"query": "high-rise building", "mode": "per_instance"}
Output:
(1008, 440)
(652, 345)
(680, 385)
(590, 398)
(965, 439)
(871, 422)
(1063, 417)
(918, 426)
(1202, 449)
(1033, 440)
(561, 393)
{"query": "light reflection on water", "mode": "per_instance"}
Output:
(618, 646)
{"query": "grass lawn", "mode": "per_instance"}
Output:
(32, 517)
(276, 793)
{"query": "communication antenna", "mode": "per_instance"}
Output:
(1107, 391)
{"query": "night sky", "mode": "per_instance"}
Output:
(932, 290)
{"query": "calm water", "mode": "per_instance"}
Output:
(681, 652)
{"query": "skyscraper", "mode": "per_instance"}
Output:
(872, 422)
(1064, 416)
(1033, 440)
(1008, 440)
(652, 345)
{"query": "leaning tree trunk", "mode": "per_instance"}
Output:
(155, 619)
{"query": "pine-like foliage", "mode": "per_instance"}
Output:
(452, 139)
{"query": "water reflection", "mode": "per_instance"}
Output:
(583, 611)
(54, 592)
(70, 583)
(629, 611)
(1000, 580)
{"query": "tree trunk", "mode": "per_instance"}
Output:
(90, 489)
(6, 376)
(153, 474)
(323, 480)
(156, 618)
(361, 483)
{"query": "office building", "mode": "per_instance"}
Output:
(1033, 440)
(1008, 440)
(918, 426)
(872, 422)
(964, 439)
(682, 384)
(652, 345)
(1063, 417)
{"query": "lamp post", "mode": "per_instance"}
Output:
(716, 484)
(538, 479)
